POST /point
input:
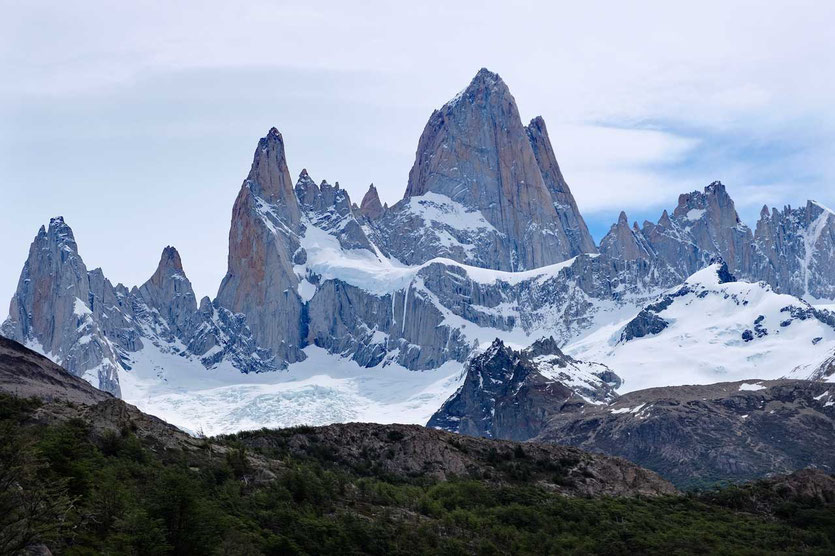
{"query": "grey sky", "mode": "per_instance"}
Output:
(136, 121)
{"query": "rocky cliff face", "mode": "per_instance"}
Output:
(711, 220)
(51, 309)
(94, 329)
(477, 170)
(328, 208)
(371, 207)
(512, 394)
(263, 241)
(625, 243)
(704, 226)
(571, 221)
(797, 248)
(792, 250)
(169, 292)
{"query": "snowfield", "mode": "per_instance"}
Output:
(320, 390)
(703, 342)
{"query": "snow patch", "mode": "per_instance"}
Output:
(635, 409)
(80, 308)
(695, 214)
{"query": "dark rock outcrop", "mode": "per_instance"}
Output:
(27, 374)
(512, 394)
(694, 435)
(645, 324)
(412, 451)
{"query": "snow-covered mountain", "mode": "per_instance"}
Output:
(331, 311)
(711, 329)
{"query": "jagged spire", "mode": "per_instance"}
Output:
(59, 233)
(623, 242)
(170, 259)
(55, 308)
(304, 177)
(169, 291)
(269, 177)
(260, 281)
(306, 189)
(566, 207)
(476, 151)
(622, 219)
(370, 207)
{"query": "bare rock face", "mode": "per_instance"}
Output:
(51, 309)
(260, 282)
(623, 242)
(711, 219)
(798, 250)
(371, 207)
(404, 326)
(218, 334)
(169, 292)
(571, 221)
(475, 161)
(269, 179)
(511, 395)
(793, 250)
(703, 226)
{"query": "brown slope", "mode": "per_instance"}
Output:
(404, 451)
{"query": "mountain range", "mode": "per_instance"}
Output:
(334, 311)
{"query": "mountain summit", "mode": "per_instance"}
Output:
(476, 157)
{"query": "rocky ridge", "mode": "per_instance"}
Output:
(702, 434)
(512, 394)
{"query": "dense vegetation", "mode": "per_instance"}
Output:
(84, 493)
